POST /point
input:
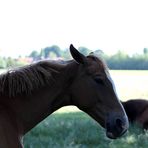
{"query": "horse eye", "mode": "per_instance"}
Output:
(99, 81)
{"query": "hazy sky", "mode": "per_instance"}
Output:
(110, 25)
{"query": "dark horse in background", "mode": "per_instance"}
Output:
(31, 93)
(137, 111)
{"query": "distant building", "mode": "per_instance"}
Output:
(25, 60)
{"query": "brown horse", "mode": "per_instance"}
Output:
(137, 111)
(31, 93)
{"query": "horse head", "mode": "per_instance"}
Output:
(93, 92)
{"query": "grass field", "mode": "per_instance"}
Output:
(71, 128)
(77, 130)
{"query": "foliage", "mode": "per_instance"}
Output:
(77, 130)
(34, 54)
(3, 63)
(8, 63)
(145, 50)
(84, 50)
(119, 60)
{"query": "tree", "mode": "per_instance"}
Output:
(84, 50)
(34, 54)
(3, 63)
(145, 50)
(11, 62)
(54, 49)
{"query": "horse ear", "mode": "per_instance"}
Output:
(78, 57)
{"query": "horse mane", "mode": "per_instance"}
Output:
(25, 79)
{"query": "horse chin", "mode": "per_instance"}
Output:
(110, 135)
(114, 136)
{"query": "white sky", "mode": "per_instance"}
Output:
(110, 25)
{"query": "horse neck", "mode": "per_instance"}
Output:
(37, 106)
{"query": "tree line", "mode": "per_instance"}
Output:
(9, 62)
(119, 60)
(122, 60)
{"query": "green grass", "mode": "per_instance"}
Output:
(78, 130)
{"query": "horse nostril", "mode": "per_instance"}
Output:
(116, 126)
(119, 123)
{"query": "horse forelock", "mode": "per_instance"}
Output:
(28, 78)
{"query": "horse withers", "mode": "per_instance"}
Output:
(30, 93)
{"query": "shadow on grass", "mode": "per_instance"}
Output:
(78, 130)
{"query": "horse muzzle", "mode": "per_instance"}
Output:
(116, 125)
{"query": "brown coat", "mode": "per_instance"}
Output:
(137, 111)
